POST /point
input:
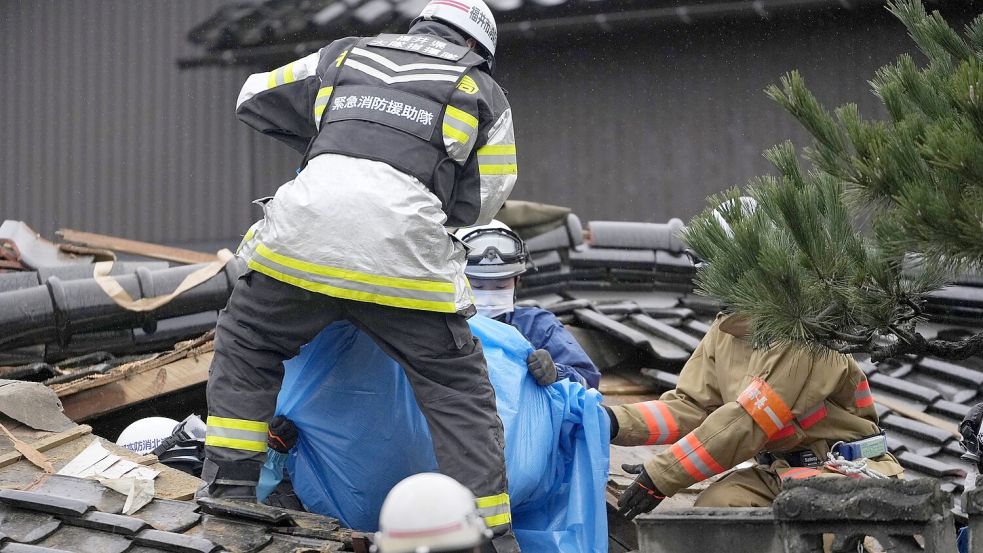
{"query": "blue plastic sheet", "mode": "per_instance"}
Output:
(361, 432)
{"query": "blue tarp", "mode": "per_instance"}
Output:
(361, 432)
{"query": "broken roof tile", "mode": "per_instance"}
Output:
(106, 522)
(71, 538)
(44, 503)
(176, 543)
(169, 515)
(231, 535)
(25, 526)
(85, 490)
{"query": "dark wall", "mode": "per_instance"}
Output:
(101, 131)
(645, 125)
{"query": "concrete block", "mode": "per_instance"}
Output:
(703, 529)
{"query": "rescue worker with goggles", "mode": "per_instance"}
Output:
(403, 135)
(784, 406)
(496, 259)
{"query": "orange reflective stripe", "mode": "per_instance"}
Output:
(661, 424)
(799, 473)
(694, 458)
(813, 416)
(862, 397)
(785, 432)
(765, 406)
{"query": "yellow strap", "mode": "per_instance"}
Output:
(345, 293)
(496, 150)
(493, 500)
(355, 276)
(340, 58)
(508, 169)
(456, 134)
(237, 424)
(463, 116)
(498, 520)
(235, 443)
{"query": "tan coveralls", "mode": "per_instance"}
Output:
(733, 402)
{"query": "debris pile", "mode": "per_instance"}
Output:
(67, 311)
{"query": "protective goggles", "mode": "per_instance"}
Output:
(495, 253)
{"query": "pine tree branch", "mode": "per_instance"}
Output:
(943, 349)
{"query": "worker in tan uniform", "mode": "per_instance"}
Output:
(785, 406)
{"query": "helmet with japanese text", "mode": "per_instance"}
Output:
(495, 251)
(427, 513)
(145, 435)
(472, 17)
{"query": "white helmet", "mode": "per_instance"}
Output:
(429, 512)
(144, 435)
(469, 16)
(496, 251)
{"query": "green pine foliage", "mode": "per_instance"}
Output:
(841, 251)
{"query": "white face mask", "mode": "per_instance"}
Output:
(492, 303)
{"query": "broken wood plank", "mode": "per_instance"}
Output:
(137, 387)
(147, 249)
(49, 442)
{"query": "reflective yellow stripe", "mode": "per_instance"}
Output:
(498, 520)
(288, 73)
(249, 234)
(271, 79)
(340, 58)
(462, 116)
(344, 293)
(355, 276)
(233, 443)
(493, 500)
(496, 150)
(321, 102)
(237, 424)
(455, 134)
(509, 169)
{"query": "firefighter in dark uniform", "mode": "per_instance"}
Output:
(403, 136)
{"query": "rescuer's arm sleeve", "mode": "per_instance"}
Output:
(766, 409)
(678, 411)
(478, 136)
(287, 103)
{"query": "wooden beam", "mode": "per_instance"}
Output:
(147, 249)
(137, 387)
(47, 443)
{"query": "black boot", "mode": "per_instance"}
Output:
(233, 481)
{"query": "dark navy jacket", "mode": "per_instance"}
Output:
(545, 331)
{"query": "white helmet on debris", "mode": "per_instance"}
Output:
(469, 16)
(429, 512)
(144, 435)
(495, 251)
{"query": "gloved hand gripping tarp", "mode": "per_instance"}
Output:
(361, 432)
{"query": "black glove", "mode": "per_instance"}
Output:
(642, 496)
(970, 430)
(541, 367)
(282, 434)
